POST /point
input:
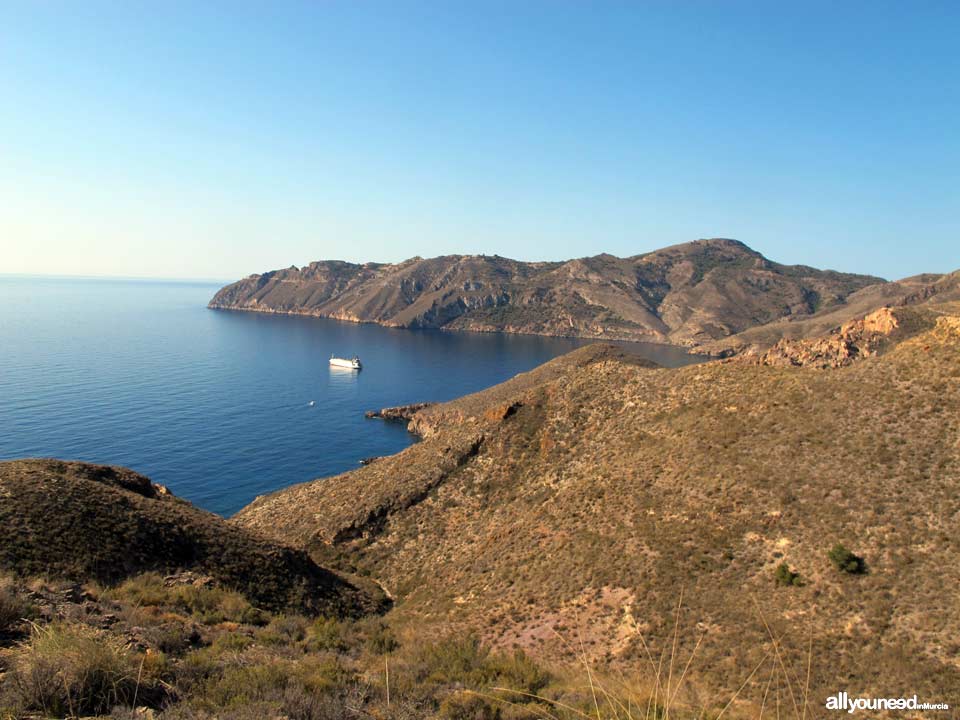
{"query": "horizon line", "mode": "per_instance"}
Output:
(147, 278)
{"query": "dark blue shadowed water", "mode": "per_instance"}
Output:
(215, 404)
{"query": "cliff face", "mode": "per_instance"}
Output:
(687, 294)
(104, 523)
(602, 499)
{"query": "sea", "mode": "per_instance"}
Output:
(223, 406)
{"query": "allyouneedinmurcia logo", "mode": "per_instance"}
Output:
(843, 701)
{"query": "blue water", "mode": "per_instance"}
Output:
(214, 404)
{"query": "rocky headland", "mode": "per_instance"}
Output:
(687, 294)
(400, 413)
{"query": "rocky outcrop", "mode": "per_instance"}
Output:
(921, 291)
(400, 413)
(687, 294)
(855, 340)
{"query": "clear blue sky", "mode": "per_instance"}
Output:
(189, 139)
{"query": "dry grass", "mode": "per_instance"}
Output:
(661, 687)
(320, 669)
(68, 671)
(208, 605)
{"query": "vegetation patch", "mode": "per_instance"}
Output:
(783, 575)
(846, 561)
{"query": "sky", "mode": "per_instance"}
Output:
(218, 139)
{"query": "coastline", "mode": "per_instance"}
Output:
(689, 349)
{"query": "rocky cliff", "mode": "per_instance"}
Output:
(686, 294)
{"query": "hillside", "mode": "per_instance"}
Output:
(95, 522)
(647, 511)
(918, 290)
(686, 294)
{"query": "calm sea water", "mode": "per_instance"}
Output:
(215, 404)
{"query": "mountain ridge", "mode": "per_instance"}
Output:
(686, 294)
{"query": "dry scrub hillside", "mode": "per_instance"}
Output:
(96, 522)
(593, 497)
(926, 291)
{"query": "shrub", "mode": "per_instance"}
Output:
(170, 637)
(467, 706)
(231, 642)
(209, 604)
(274, 681)
(846, 561)
(146, 590)
(241, 685)
(454, 660)
(197, 668)
(785, 576)
(327, 634)
(66, 670)
(12, 608)
(381, 639)
(466, 661)
(299, 703)
(284, 630)
(517, 672)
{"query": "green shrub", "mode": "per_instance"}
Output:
(231, 642)
(785, 576)
(197, 668)
(146, 590)
(846, 561)
(236, 686)
(170, 637)
(299, 703)
(455, 660)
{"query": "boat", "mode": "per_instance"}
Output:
(353, 363)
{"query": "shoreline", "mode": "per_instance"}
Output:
(688, 349)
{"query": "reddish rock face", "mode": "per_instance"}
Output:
(862, 338)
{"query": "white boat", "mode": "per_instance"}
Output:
(353, 363)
